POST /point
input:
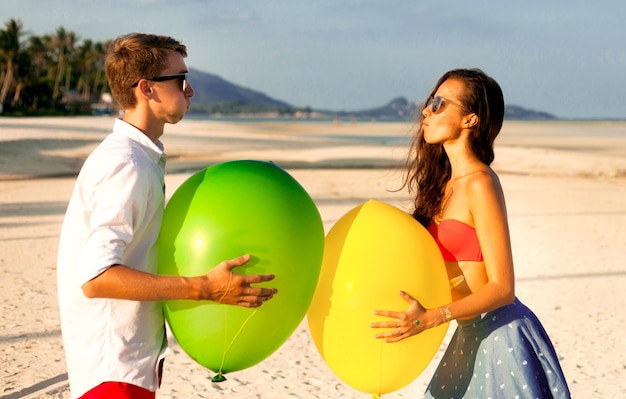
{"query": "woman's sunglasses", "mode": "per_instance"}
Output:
(184, 84)
(438, 101)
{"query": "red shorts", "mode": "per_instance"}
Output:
(118, 390)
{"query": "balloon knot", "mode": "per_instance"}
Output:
(219, 377)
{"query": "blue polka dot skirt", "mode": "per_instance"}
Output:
(503, 354)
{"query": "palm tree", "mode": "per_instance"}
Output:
(35, 72)
(9, 51)
(37, 51)
(23, 76)
(37, 88)
(85, 61)
(60, 42)
(70, 55)
(100, 50)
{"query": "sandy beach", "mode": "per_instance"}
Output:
(565, 184)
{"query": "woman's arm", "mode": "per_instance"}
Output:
(485, 203)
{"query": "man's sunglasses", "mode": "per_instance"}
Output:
(184, 84)
(438, 101)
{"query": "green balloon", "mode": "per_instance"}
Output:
(225, 211)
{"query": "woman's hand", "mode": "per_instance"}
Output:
(406, 324)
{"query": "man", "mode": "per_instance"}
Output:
(111, 318)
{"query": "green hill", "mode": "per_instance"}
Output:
(216, 96)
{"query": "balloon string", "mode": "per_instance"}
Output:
(219, 377)
(235, 337)
(230, 278)
(380, 375)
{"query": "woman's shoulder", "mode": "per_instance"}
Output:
(480, 177)
(482, 182)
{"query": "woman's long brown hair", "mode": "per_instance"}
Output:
(427, 166)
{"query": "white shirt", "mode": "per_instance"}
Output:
(113, 217)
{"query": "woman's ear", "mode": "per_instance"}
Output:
(470, 121)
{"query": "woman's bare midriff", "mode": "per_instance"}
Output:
(465, 278)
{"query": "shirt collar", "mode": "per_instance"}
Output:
(137, 135)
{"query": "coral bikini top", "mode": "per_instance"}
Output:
(457, 241)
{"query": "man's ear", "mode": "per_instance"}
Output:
(145, 88)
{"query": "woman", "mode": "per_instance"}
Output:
(500, 349)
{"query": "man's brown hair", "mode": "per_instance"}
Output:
(137, 56)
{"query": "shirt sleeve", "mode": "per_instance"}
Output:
(116, 206)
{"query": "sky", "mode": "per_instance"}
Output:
(567, 58)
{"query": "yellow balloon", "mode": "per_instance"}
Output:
(371, 254)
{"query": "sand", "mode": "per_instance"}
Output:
(565, 184)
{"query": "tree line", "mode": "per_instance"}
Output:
(57, 73)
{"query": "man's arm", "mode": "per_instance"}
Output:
(219, 285)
